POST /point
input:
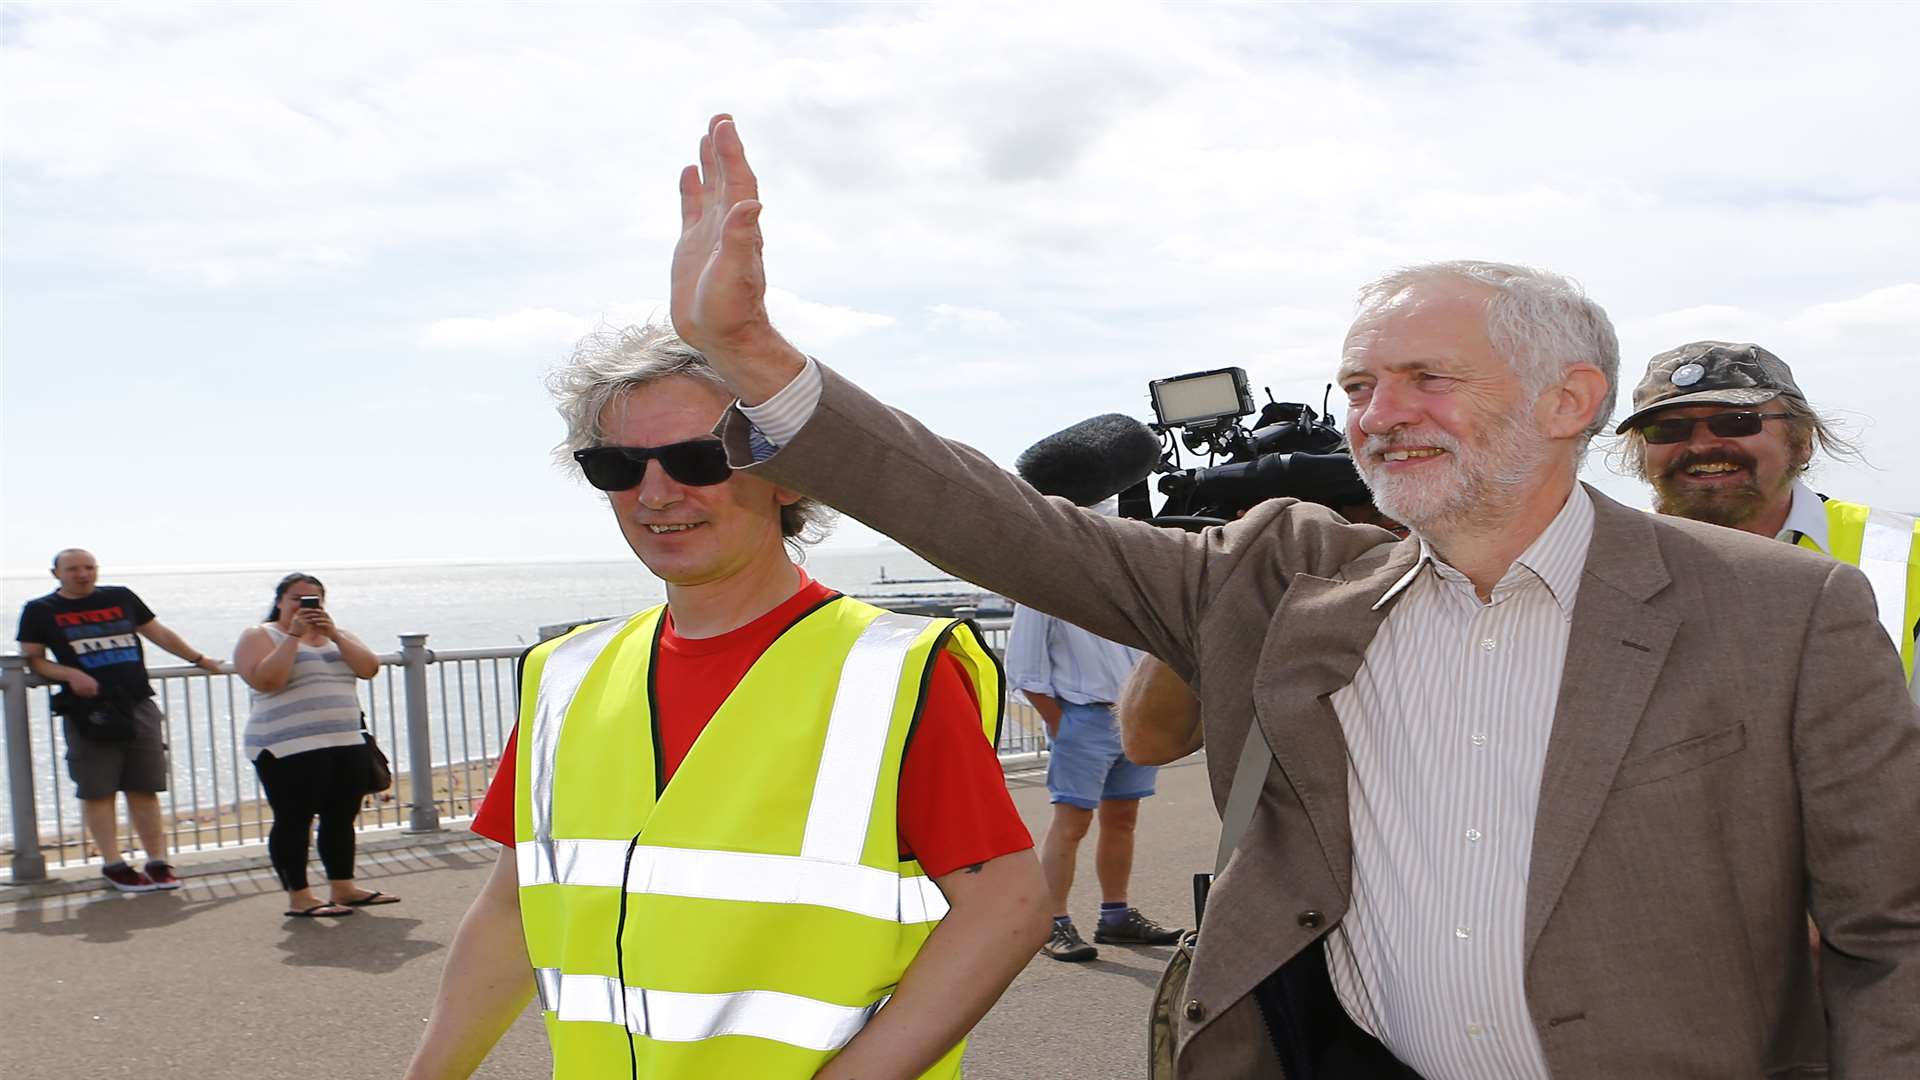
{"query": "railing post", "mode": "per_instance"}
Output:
(424, 812)
(28, 863)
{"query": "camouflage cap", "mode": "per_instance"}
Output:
(1711, 373)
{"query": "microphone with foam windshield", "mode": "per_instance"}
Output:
(1091, 461)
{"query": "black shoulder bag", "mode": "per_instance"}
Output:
(102, 718)
(379, 769)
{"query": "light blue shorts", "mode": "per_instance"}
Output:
(1086, 764)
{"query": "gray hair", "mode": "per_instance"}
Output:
(1540, 322)
(610, 363)
(1807, 431)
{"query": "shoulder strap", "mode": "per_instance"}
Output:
(1248, 778)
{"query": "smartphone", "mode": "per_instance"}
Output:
(309, 601)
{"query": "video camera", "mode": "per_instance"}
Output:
(1289, 451)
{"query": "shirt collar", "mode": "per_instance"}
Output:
(1806, 516)
(1558, 556)
(1426, 558)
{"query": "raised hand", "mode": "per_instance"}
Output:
(719, 288)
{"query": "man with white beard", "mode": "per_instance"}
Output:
(1552, 783)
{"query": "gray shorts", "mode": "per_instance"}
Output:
(99, 769)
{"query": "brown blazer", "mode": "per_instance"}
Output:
(1733, 748)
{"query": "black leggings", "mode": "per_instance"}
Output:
(329, 783)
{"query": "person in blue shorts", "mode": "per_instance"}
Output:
(1072, 678)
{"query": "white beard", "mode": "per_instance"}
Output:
(1471, 485)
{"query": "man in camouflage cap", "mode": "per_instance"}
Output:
(1723, 434)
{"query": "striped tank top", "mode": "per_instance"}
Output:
(318, 707)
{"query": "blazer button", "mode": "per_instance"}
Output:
(1310, 920)
(1195, 1010)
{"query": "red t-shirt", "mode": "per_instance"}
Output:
(954, 810)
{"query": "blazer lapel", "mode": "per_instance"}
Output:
(1616, 649)
(1314, 645)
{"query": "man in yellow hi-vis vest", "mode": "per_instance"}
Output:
(1723, 433)
(757, 831)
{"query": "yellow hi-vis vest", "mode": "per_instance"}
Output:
(1886, 548)
(746, 918)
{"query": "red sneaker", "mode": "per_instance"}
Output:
(162, 875)
(127, 879)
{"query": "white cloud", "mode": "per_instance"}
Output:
(978, 322)
(808, 320)
(1892, 310)
(536, 326)
(543, 329)
(1704, 322)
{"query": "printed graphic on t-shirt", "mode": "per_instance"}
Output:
(98, 644)
(97, 633)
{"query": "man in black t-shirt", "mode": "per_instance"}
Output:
(94, 634)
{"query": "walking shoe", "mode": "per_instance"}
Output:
(127, 879)
(162, 875)
(1135, 929)
(1067, 944)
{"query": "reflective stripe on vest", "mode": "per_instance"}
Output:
(1881, 543)
(679, 1017)
(735, 875)
(566, 668)
(1885, 548)
(850, 763)
(827, 873)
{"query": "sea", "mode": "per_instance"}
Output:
(458, 605)
(463, 605)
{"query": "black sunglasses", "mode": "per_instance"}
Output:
(1727, 425)
(695, 463)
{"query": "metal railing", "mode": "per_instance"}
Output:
(442, 717)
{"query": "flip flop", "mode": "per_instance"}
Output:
(317, 912)
(372, 899)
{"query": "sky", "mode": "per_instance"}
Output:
(279, 284)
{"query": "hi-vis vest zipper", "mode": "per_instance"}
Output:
(748, 918)
(1886, 548)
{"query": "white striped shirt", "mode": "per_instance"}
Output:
(1054, 657)
(318, 707)
(779, 418)
(1446, 725)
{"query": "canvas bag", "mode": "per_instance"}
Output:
(1170, 996)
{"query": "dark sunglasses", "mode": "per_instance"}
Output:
(1727, 425)
(695, 463)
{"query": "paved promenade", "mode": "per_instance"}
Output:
(212, 983)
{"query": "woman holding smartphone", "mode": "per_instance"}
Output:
(304, 737)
